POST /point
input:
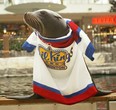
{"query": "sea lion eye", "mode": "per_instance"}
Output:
(58, 17)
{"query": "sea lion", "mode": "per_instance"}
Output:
(50, 25)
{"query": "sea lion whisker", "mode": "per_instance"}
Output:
(30, 22)
(39, 25)
(27, 19)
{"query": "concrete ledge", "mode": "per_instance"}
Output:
(23, 66)
(16, 62)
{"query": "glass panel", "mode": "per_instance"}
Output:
(86, 1)
(101, 1)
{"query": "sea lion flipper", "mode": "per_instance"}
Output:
(103, 92)
(32, 96)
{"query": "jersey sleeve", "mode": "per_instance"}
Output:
(82, 40)
(85, 44)
(30, 43)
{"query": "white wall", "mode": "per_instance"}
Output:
(75, 7)
(79, 8)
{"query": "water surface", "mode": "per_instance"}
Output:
(23, 85)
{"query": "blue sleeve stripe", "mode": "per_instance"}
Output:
(67, 21)
(46, 87)
(28, 47)
(78, 31)
(89, 51)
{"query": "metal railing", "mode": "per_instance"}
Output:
(13, 47)
(106, 45)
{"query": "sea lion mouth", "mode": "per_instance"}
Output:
(34, 22)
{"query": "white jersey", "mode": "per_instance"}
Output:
(59, 71)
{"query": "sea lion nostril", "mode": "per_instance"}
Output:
(26, 15)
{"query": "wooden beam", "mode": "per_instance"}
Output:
(5, 101)
(110, 97)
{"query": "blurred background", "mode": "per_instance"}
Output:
(96, 17)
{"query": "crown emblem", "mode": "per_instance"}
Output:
(54, 59)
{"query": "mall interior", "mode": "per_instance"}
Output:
(98, 20)
(96, 17)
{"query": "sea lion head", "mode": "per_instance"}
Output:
(48, 23)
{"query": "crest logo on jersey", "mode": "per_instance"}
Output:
(55, 59)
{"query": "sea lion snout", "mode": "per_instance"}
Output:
(34, 22)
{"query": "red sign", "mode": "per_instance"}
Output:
(104, 20)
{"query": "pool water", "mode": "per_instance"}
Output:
(105, 82)
(16, 86)
(23, 85)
